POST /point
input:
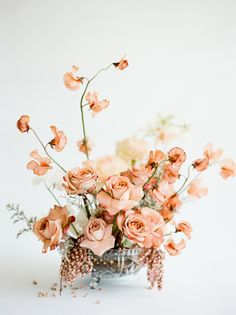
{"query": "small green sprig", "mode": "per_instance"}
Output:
(19, 215)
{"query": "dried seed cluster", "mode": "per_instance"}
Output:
(154, 260)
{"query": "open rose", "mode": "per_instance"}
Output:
(119, 194)
(23, 123)
(98, 236)
(144, 227)
(50, 229)
(60, 140)
(40, 165)
(80, 180)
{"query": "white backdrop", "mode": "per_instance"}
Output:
(182, 60)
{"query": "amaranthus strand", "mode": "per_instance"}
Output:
(82, 111)
(45, 150)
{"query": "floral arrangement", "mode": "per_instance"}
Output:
(120, 202)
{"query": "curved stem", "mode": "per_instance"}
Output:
(154, 172)
(45, 150)
(184, 183)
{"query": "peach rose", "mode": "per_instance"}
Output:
(144, 227)
(174, 249)
(71, 80)
(119, 194)
(177, 156)
(81, 145)
(155, 157)
(109, 165)
(95, 105)
(99, 236)
(50, 229)
(185, 227)
(137, 176)
(80, 180)
(60, 140)
(40, 166)
(122, 64)
(23, 123)
(196, 190)
(228, 168)
(131, 149)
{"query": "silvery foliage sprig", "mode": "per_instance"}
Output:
(19, 215)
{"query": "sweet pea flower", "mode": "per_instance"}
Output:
(95, 105)
(99, 236)
(213, 155)
(50, 229)
(177, 156)
(23, 123)
(71, 80)
(122, 64)
(196, 190)
(201, 164)
(174, 249)
(119, 194)
(60, 140)
(155, 157)
(137, 176)
(82, 145)
(184, 227)
(171, 173)
(170, 206)
(40, 165)
(163, 191)
(228, 168)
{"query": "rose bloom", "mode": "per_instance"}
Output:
(144, 227)
(185, 227)
(174, 249)
(122, 64)
(95, 105)
(170, 206)
(137, 176)
(80, 180)
(131, 149)
(109, 165)
(196, 190)
(201, 164)
(60, 140)
(50, 229)
(40, 165)
(23, 123)
(155, 157)
(71, 80)
(177, 156)
(228, 168)
(82, 147)
(119, 194)
(98, 236)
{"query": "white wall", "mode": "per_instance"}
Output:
(182, 60)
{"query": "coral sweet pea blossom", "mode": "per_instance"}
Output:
(144, 227)
(50, 229)
(71, 80)
(170, 206)
(228, 168)
(177, 156)
(82, 145)
(23, 123)
(138, 176)
(95, 105)
(60, 140)
(213, 155)
(119, 194)
(80, 180)
(196, 190)
(185, 227)
(98, 236)
(155, 157)
(201, 164)
(40, 165)
(122, 64)
(174, 249)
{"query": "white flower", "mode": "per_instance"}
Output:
(52, 179)
(132, 149)
(81, 220)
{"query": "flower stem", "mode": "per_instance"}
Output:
(83, 105)
(45, 150)
(154, 172)
(178, 192)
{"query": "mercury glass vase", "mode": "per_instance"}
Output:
(115, 263)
